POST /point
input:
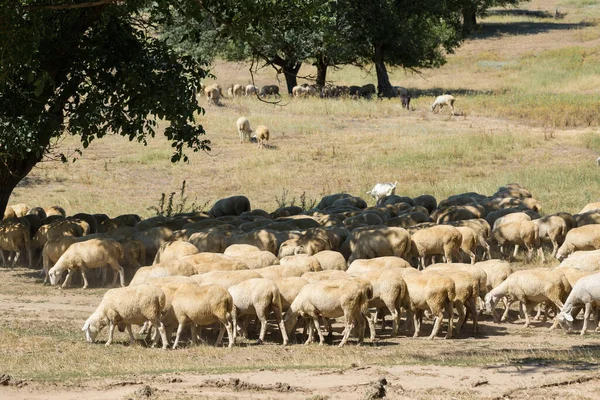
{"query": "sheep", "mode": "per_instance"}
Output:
(213, 94)
(206, 262)
(587, 218)
(583, 260)
(240, 249)
(590, 207)
(429, 292)
(427, 201)
(440, 239)
(519, 233)
(127, 306)
(330, 299)
(441, 101)
(237, 90)
(93, 253)
(225, 278)
(469, 242)
(325, 275)
(269, 90)
(482, 232)
(378, 263)
(55, 210)
(174, 251)
(153, 238)
(331, 260)
(531, 287)
(204, 305)
(259, 259)
(15, 237)
(256, 297)
(554, 228)
(169, 268)
(367, 90)
(407, 220)
(208, 241)
(264, 239)
(382, 190)
(299, 91)
(378, 242)
(262, 135)
(251, 90)
(496, 272)
(243, 127)
(586, 291)
(466, 293)
(52, 251)
(234, 205)
(405, 101)
(598, 161)
(585, 237)
(280, 271)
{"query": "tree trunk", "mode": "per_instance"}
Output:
(469, 13)
(384, 87)
(321, 65)
(12, 171)
(290, 71)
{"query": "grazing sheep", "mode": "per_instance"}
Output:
(213, 94)
(153, 238)
(441, 101)
(378, 263)
(224, 278)
(280, 271)
(204, 305)
(55, 210)
(206, 262)
(429, 292)
(378, 242)
(251, 90)
(585, 237)
(264, 239)
(174, 250)
(262, 135)
(598, 161)
(127, 306)
(169, 268)
(519, 233)
(325, 275)
(93, 253)
(482, 231)
(289, 287)
(587, 292)
(331, 260)
(587, 218)
(382, 190)
(427, 201)
(238, 90)
(52, 251)
(257, 259)
(243, 127)
(469, 242)
(590, 207)
(257, 297)
(269, 90)
(496, 272)
(531, 287)
(330, 299)
(405, 101)
(440, 239)
(583, 260)
(208, 241)
(240, 249)
(367, 90)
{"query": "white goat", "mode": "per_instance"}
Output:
(443, 100)
(381, 190)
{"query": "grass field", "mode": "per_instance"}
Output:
(528, 111)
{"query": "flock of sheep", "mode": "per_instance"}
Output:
(234, 264)
(214, 93)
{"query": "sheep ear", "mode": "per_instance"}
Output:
(568, 317)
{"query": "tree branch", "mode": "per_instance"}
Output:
(73, 6)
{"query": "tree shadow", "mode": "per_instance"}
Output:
(495, 29)
(527, 13)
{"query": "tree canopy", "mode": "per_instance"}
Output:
(90, 69)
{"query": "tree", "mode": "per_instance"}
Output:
(471, 9)
(409, 34)
(90, 68)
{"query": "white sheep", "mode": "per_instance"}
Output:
(251, 90)
(382, 190)
(598, 161)
(585, 237)
(243, 127)
(586, 291)
(441, 101)
(127, 306)
(93, 253)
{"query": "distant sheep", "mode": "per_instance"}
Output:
(251, 90)
(269, 90)
(441, 101)
(243, 127)
(382, 190)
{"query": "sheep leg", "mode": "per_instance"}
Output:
(395, 318)
(526, 310)
(541, 254)
(436, 326)
(349, 323)
(559, 305)
(260, 313)
(417, 317)
(117, 268)
(194, 333)
(473, 310)
(68, 279)
(85, 281)
(111, 332)
(586, 317)
(516, 251)
(179, 330)
(421, 263)
(315, 321)
(279, 319)
(450, 312)
(460, 310)
(163, 334)
(130, 332)
(539, 313)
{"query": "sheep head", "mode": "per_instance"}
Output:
(93, 325)
(565, 320)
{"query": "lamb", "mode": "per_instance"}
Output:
(554, 228)
(586, 291)
(440, 239)
(257, 297)
(441, 101)
(262, 135)
(204, 306)
(127, 306)
(531, 287)
(382, 190)
(429, 292)
(585, 237)
(330, 299)
(243, 127)
(93, 253)
(174, 250)
(519, 233)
